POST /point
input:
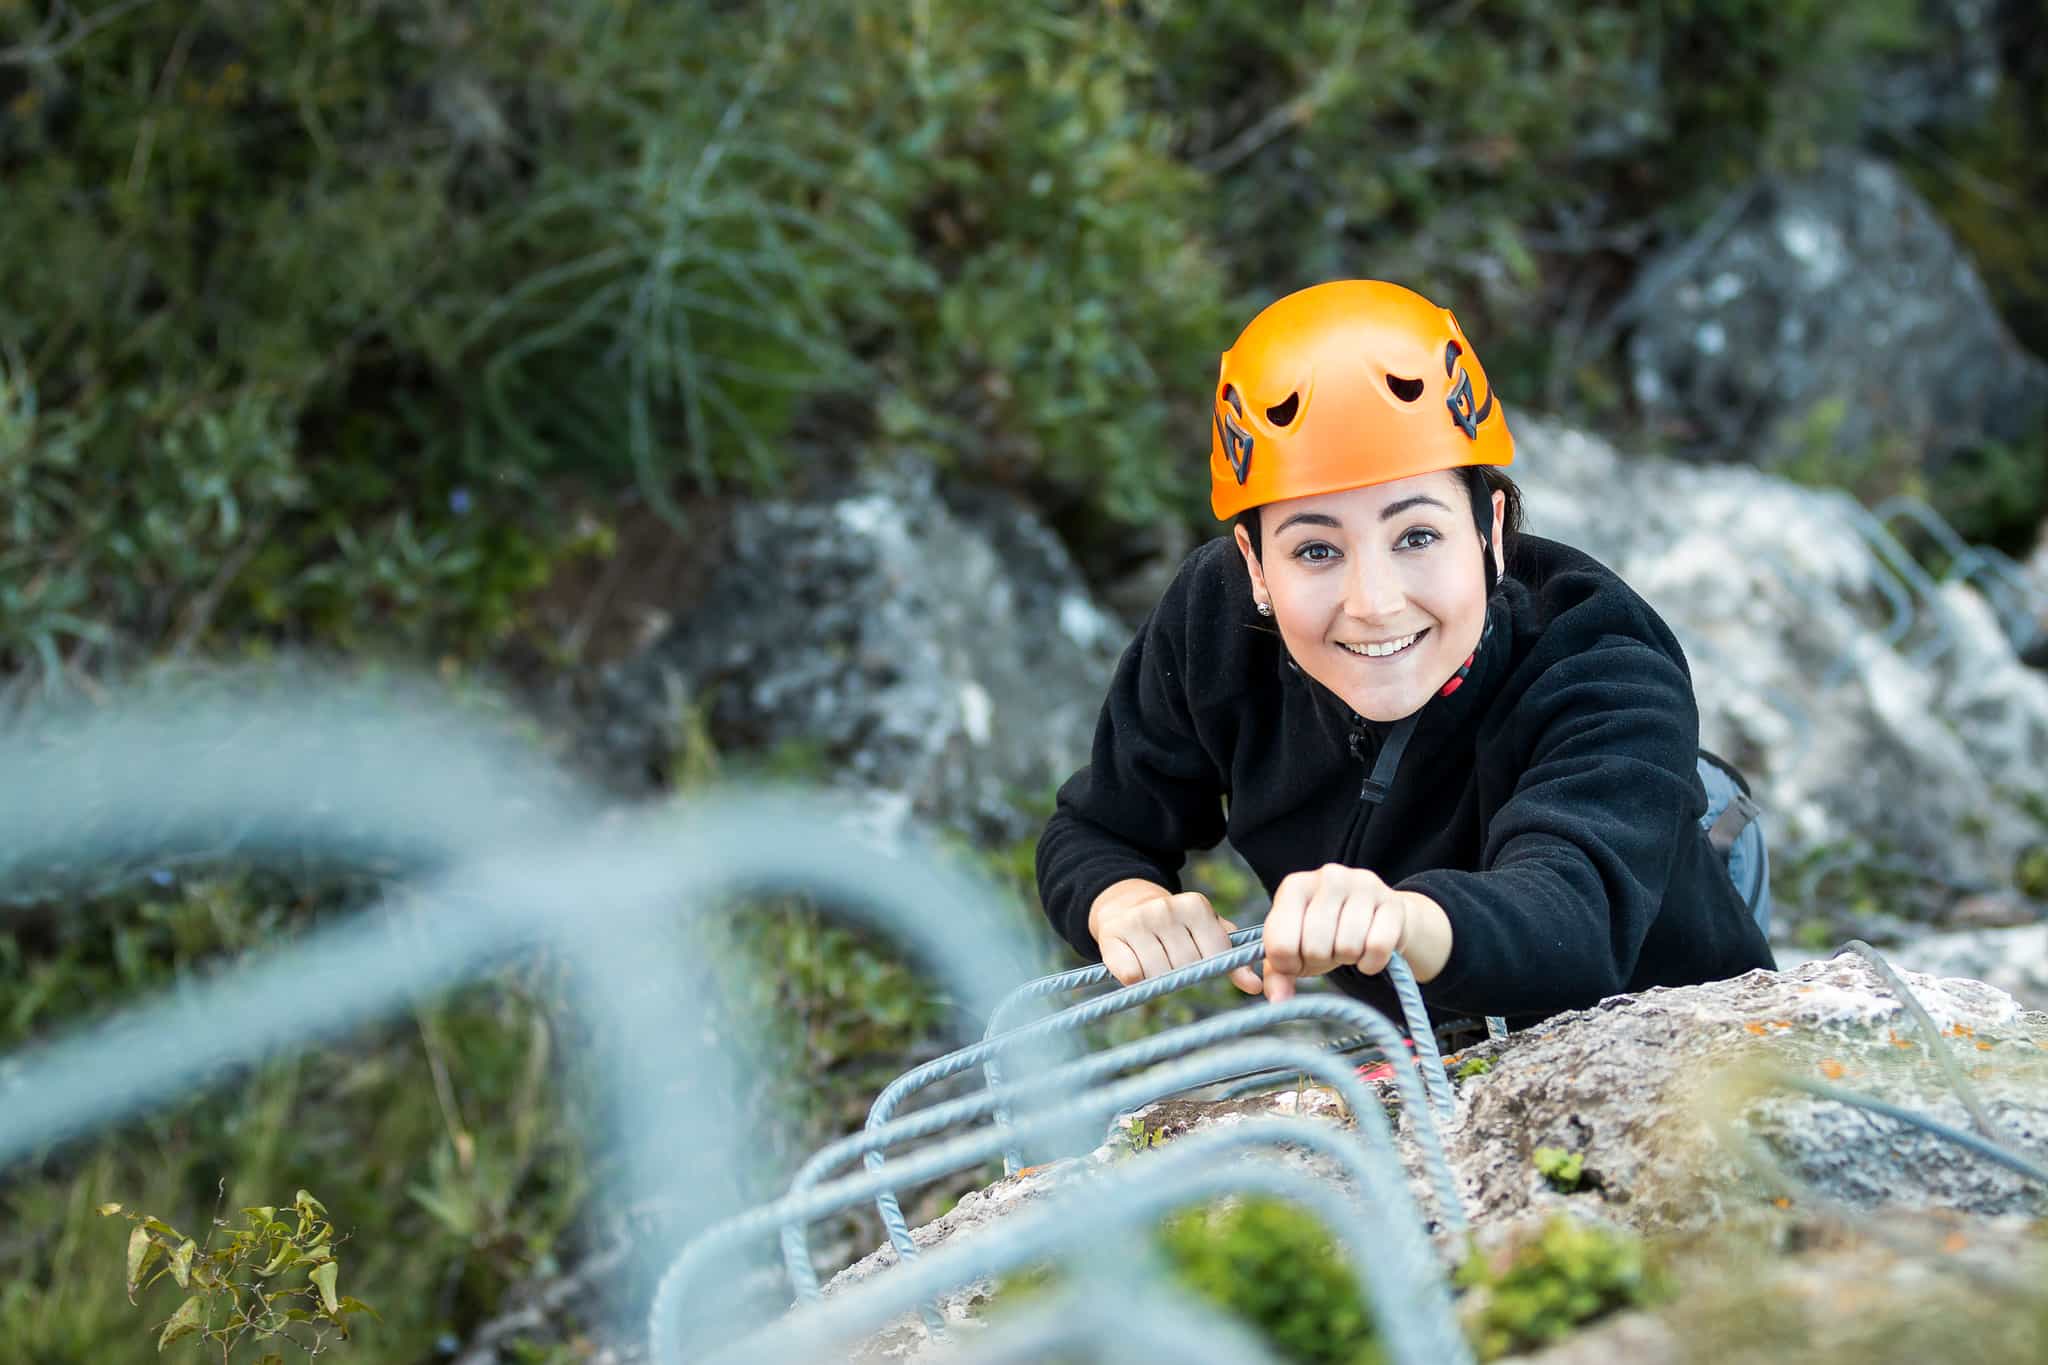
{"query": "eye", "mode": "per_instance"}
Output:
(1418, 538)
(1315, 552)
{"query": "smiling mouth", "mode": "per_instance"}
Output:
(1386, 649)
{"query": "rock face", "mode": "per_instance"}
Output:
(1833, 307)
(944, 657)
(1662, 1095)
(1920, 746)
(1627, 1085)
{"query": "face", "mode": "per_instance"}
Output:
(1380, 592)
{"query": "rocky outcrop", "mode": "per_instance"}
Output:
(1923, 748)
(1832, 308)
(1636, 1087)
(1666, 1097)
(943, 657)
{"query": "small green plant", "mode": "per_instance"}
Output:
(1570, 1274)
(1475, 1066)
(1134, 1137)
(272, 1280)
(1563, 1169)
(1275, 1266)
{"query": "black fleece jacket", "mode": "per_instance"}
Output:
(1550, 804)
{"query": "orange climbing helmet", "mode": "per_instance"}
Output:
(1345, 384)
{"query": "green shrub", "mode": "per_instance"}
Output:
(275, 1280)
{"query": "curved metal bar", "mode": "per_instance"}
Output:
(1963, 556)
(2031, 616)
(1990, 1151)
(1414, 1014)
(1902, 563)
(1147, 1326)
(1393, 1261)
(1078, 978)
(883, 1130)
(1247, 950)
(1390, 1193)
(1937, 1047)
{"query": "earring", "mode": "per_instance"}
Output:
(1265, 608)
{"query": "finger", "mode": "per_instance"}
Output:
(1319, 926)
(1151, 954)
(1123, 964)
(1352, 927)
(1283, 925)
(1279, 985)
(1181, 948)
(1389, 921)
(1212, 935)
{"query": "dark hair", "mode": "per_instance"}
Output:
(1481, 482)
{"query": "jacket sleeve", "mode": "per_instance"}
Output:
(1151, 790)
(1577, 860)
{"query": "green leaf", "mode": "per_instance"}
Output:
(306, 1203)
(261, 1216)
(181, 1262)
(349, 1305)
(190, 1318)
(106, 1209)
(322, 1276)
(142, 1249)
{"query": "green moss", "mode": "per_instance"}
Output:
(1570, 1274)
(1563, 1169)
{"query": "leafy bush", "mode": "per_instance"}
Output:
(247, 1278)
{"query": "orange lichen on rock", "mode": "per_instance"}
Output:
(1832, 1069)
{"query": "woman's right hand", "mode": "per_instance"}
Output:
(1144, 931)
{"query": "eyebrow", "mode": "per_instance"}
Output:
(1387, 513)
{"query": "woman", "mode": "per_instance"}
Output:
(1426, 732)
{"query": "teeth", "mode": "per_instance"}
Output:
(1383, 649)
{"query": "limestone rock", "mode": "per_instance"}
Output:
(1917, 744)
(1631, 1086)
(1833, 307)
(944, 657)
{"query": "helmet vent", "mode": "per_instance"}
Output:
(1407, 390)
(1281, 413)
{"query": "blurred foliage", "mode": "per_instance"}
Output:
(454, 1135)
(343, 322)
(1539, 1291)
(1275, 1266)
(353, 325)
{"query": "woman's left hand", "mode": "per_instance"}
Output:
(1339, 916)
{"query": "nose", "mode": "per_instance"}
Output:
(1372, 590)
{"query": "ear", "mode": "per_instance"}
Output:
(1251, 563)
(1500, 559)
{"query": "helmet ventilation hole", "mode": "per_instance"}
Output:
(1281, 413)
(1407, 390)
